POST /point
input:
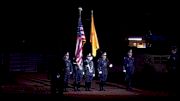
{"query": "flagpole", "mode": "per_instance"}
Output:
(81, 38)
(80, 9)
(93, 37)
(91, 33)
(91, 12)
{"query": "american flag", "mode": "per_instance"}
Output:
(81, 40)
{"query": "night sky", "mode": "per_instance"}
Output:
(53, 25)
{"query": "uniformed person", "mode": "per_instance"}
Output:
(128, 68)
(103, 64)
(89, 71)
(172, 60)
(78, 75)
(59, 82)
(68, 69)
(172, 69)
(54, 64)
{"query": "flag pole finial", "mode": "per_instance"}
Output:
(91, 12)
(80, 9)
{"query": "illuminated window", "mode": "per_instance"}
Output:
(134, 44)
(141, 45)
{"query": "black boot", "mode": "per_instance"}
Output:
(128, 85)
(65, 87)
(86, 86)
(103, 83)
(89, 86)
(65, 90)
(100, 86)
(78, 86)
(75, 86)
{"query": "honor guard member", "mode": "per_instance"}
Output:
(172, 69)
(89, 71)
(103, 64)
(68, 69)
(172, 60)
(56, 72)
(128, 68)
(59, 83)
(78, 75)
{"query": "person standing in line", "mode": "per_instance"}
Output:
(102, 66)
(68, 69)
(128, 68)
(89, 71)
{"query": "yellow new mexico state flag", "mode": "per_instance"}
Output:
(93, 37)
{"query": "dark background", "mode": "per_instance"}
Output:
(52, 26)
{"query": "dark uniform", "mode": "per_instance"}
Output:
(59, 79)
(89, 72)
(78, 75)
(55, 74)
(172, 70)
(172, 63)
(68, 69)
(102, 65)
(129, 68)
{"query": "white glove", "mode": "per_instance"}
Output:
(70, 72)
(124, 71)
(111, 65)
(100, 72)
(58, 76)
(93, 75)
